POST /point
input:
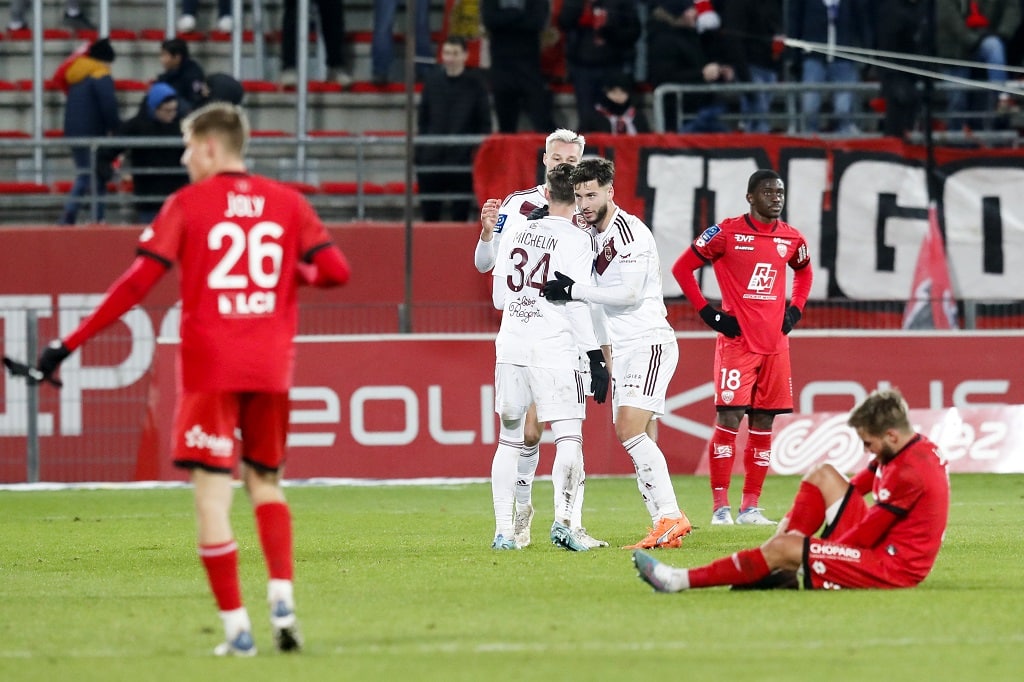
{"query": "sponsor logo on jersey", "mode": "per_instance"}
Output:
(523, 308)
(744, 238)
(707, 235)
(818, 567)
(500, 225)
(241, 303)
(762, 280)
(839, 551)
(219, 446)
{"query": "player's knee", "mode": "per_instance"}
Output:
(821, 474)
(783, 551)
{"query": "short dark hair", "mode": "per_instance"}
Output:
(560, 185)
(601, 170)
(176, 47)
(760, 176)
(457, 40)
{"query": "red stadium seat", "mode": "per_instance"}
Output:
(303, 187)
(329, 133)
(23, 188)
(339, 187)
(260, 86)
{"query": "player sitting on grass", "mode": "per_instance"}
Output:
(892, 543)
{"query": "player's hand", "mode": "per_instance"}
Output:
(722, 323)
(559, 288)
(488, 218)
(599, 377)
(538, 213)
(50, 359)
(790, 319)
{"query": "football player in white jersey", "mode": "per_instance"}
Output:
(626, 282)
(498, 220)
(537, 352)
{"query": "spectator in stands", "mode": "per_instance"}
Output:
(687, 56)
(332, 30)
(900, 27)
(514, 30)
(976, 31)
(74, 17)
(222, 87)
(751, 30)
(382, 47)
(91, 111)
(833, 22)
(601, 39)
(182, 73)
(455, 101)
(617, 110)
(190, 8)
(156, 172)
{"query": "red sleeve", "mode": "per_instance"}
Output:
(683, 271)
(327, 269)
(863, 481)
(129, 289)
(802, 280)
(871, 529)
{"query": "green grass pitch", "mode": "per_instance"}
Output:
(399, 583)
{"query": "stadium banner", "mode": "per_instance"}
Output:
(412, 407)
(861, 204)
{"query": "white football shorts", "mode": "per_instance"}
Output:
(640, 378)
(558, 393)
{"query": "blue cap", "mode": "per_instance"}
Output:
(158, 94)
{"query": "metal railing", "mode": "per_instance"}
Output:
(786, 114)
(374, 166)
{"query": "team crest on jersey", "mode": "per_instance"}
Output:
(728, 396)
(782, 249)
(500, 225)
(707, 235)
(604, 259)
(580, 222)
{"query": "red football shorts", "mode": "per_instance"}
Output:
(752, 380)
(829, 565)
(207, 427)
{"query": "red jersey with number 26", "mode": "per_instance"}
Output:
(238, 238)
(749, 259)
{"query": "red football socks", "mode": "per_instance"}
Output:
(221, 564)
(720, 460)
(808, 511)
(756, 458)
(274, 525)
(746, 566)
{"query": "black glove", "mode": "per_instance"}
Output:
(598, 375)
(790, 319)
(50, 359)
(559, 288)
(720, 322)
(538, 213)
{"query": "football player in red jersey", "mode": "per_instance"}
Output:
(244, 243)
(749, 255)
(891, 543)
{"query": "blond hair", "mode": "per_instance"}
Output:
(226, 121)
(568, 136)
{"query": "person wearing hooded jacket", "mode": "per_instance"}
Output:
(156, 171)
(91, 111)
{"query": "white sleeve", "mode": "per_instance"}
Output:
(486, 254)
(498, 292)
(582, 326)
(600, 321)
(624, 294)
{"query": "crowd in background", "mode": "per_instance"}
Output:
(498, 65)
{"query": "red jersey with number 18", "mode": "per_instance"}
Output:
(749, 259)
(238, 238)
